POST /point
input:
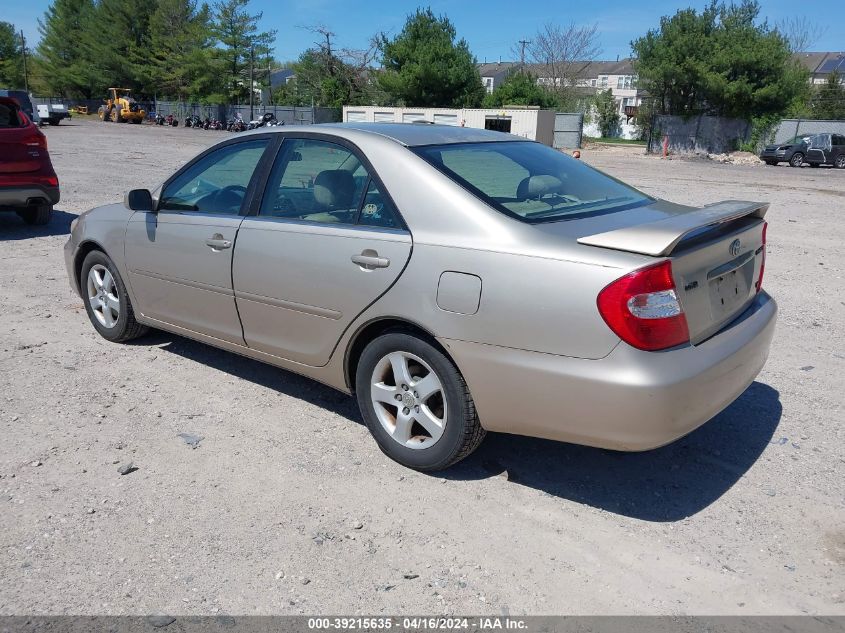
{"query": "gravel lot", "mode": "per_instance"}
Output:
(287, 505)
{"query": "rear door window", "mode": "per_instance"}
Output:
(320, 181)
(9, 116)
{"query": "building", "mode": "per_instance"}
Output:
(281, 77)
(821, 64)
(529, 122)
(590, 76)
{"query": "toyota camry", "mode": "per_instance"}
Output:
(455, 281)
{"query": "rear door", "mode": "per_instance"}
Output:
(326, 243)
(180, 258)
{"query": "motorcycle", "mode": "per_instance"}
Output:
(193, 121)
(171, 120)
(236, 125)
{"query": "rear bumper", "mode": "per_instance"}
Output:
(630, 400)
(29, 195)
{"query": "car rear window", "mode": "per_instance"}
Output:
(530, 181)
(9, 116)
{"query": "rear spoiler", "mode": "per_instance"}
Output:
(660, 238)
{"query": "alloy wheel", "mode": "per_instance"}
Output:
(409, 400)
(102, 295)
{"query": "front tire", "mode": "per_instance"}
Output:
(772, 163)
(37, 216)
(797, 160)
(106, 300)
(839, 163)
(416, 403)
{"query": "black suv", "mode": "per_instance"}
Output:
(815, 149)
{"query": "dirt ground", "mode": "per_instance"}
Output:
(287, 506)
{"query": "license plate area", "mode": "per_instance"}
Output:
(730, 291)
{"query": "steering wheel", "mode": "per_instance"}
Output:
(229, 197)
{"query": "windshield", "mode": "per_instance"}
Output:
(797, 140)
(530, 181)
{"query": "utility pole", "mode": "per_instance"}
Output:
(251, 82)
(25, 74)
(269, 79)
(523, 44)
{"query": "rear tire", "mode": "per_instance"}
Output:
(839, 163)
(797, 160)
(106, 300)
(37, 216)
(433, 423)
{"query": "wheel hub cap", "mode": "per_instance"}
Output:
(409, 400)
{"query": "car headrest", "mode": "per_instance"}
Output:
(334, 188)
(537, 186)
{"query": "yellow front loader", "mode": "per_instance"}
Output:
(120, 107)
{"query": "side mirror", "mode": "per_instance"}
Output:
(139, 200)
(296, 157)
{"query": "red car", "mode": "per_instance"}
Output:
(28, 183)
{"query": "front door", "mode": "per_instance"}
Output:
(180, 258)
(326, 243)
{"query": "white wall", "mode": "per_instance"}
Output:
(533, 124)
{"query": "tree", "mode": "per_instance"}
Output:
(63, 66)
(237, 31)
(801, 33)
(115, 43)
(425, 66)
(607, 112)
(722, 61)
(11, 58)
(564, 53)
(180, 63)
(829, 100)
(520, 88)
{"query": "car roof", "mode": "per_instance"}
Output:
(416, 134)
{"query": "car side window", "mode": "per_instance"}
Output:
(377, 210)
(316, 181)
(217, 183)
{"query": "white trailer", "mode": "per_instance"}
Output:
(528, 122)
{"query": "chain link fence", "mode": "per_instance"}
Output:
(790, 128)
(289, 115)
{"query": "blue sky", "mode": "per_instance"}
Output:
(491, 27)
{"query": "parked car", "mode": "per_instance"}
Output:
(814, 149)
(28, 183)
(456, 280)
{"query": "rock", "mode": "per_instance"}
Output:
(304, 580)
(160, 621)
(410, 576)
(91, 510)
(807, 368)
(280, 575)
(36, 463)
(191, 440)
(127, 468)
(357, 525)
(769, 491)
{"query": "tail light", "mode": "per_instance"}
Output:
(643, 309)
(36, 139)
(759, 284)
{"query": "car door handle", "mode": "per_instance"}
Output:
(217, 243)
(370, 260)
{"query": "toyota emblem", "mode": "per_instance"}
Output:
(734, 247)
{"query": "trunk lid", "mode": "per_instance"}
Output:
(717, 254)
